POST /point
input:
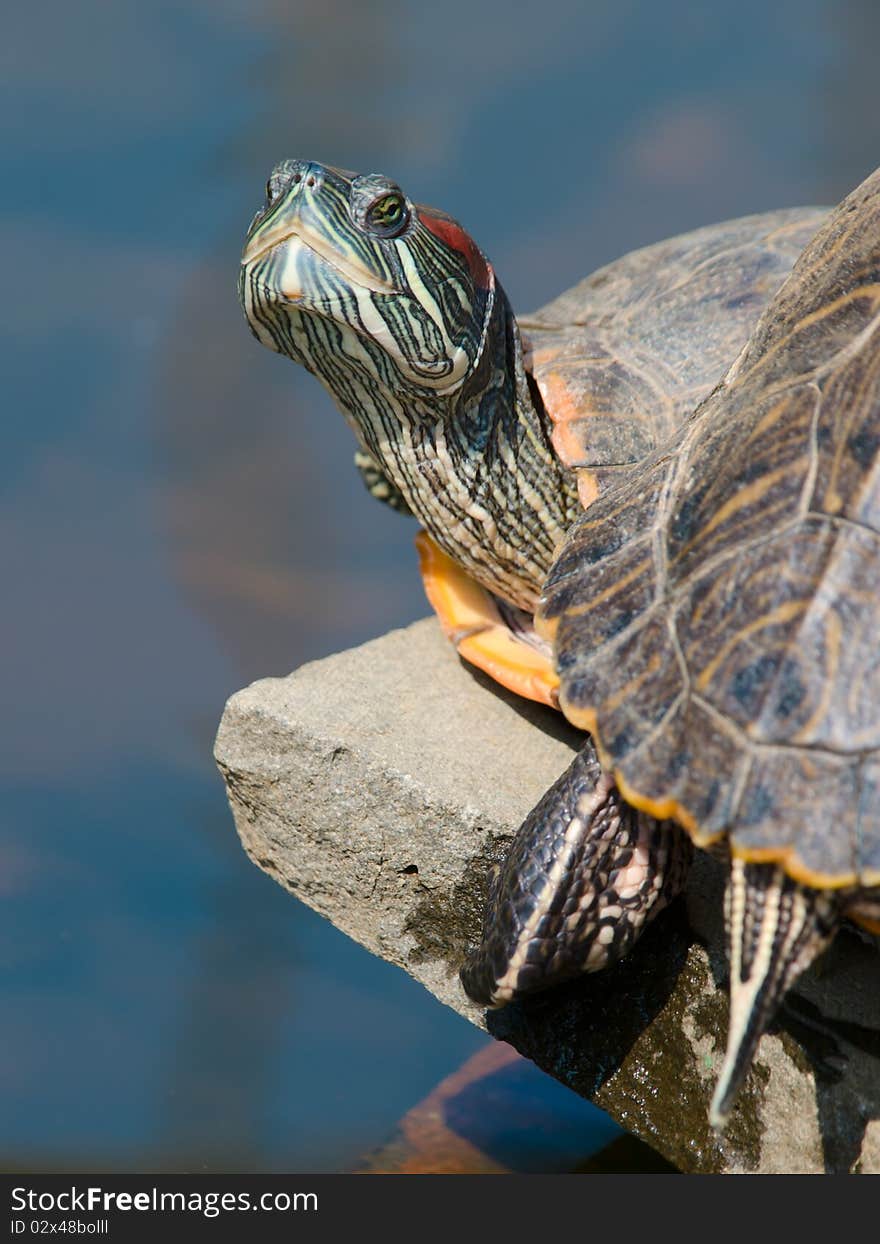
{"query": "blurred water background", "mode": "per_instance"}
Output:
(179, 514)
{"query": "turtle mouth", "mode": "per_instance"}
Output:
(301, 239)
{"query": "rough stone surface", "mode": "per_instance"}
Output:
(382, 785)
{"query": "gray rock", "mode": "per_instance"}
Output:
(383, 784)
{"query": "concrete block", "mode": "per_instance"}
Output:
(382, 785)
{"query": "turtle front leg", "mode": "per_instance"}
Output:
(775, 929)
(584, 875)
(378, 484)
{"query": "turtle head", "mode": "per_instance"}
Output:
(347, 276)
(394, 309)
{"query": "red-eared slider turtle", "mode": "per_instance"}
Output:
(686, 603)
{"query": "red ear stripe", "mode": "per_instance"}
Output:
(452, 235)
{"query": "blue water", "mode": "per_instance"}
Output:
(178, 513)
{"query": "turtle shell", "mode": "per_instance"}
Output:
(716, 615)
(622, 357)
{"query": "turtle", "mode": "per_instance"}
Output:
(606, 490)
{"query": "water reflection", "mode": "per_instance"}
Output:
(178, 514)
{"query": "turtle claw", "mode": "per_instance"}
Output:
(775, 928)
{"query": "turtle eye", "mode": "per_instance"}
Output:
(388, 215)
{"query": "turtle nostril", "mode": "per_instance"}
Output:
(297, 177)
(310, 181)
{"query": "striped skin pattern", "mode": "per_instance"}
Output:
(776, 928)
(717, 625)
(414, 338)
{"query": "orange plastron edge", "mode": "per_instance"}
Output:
(471, 620)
